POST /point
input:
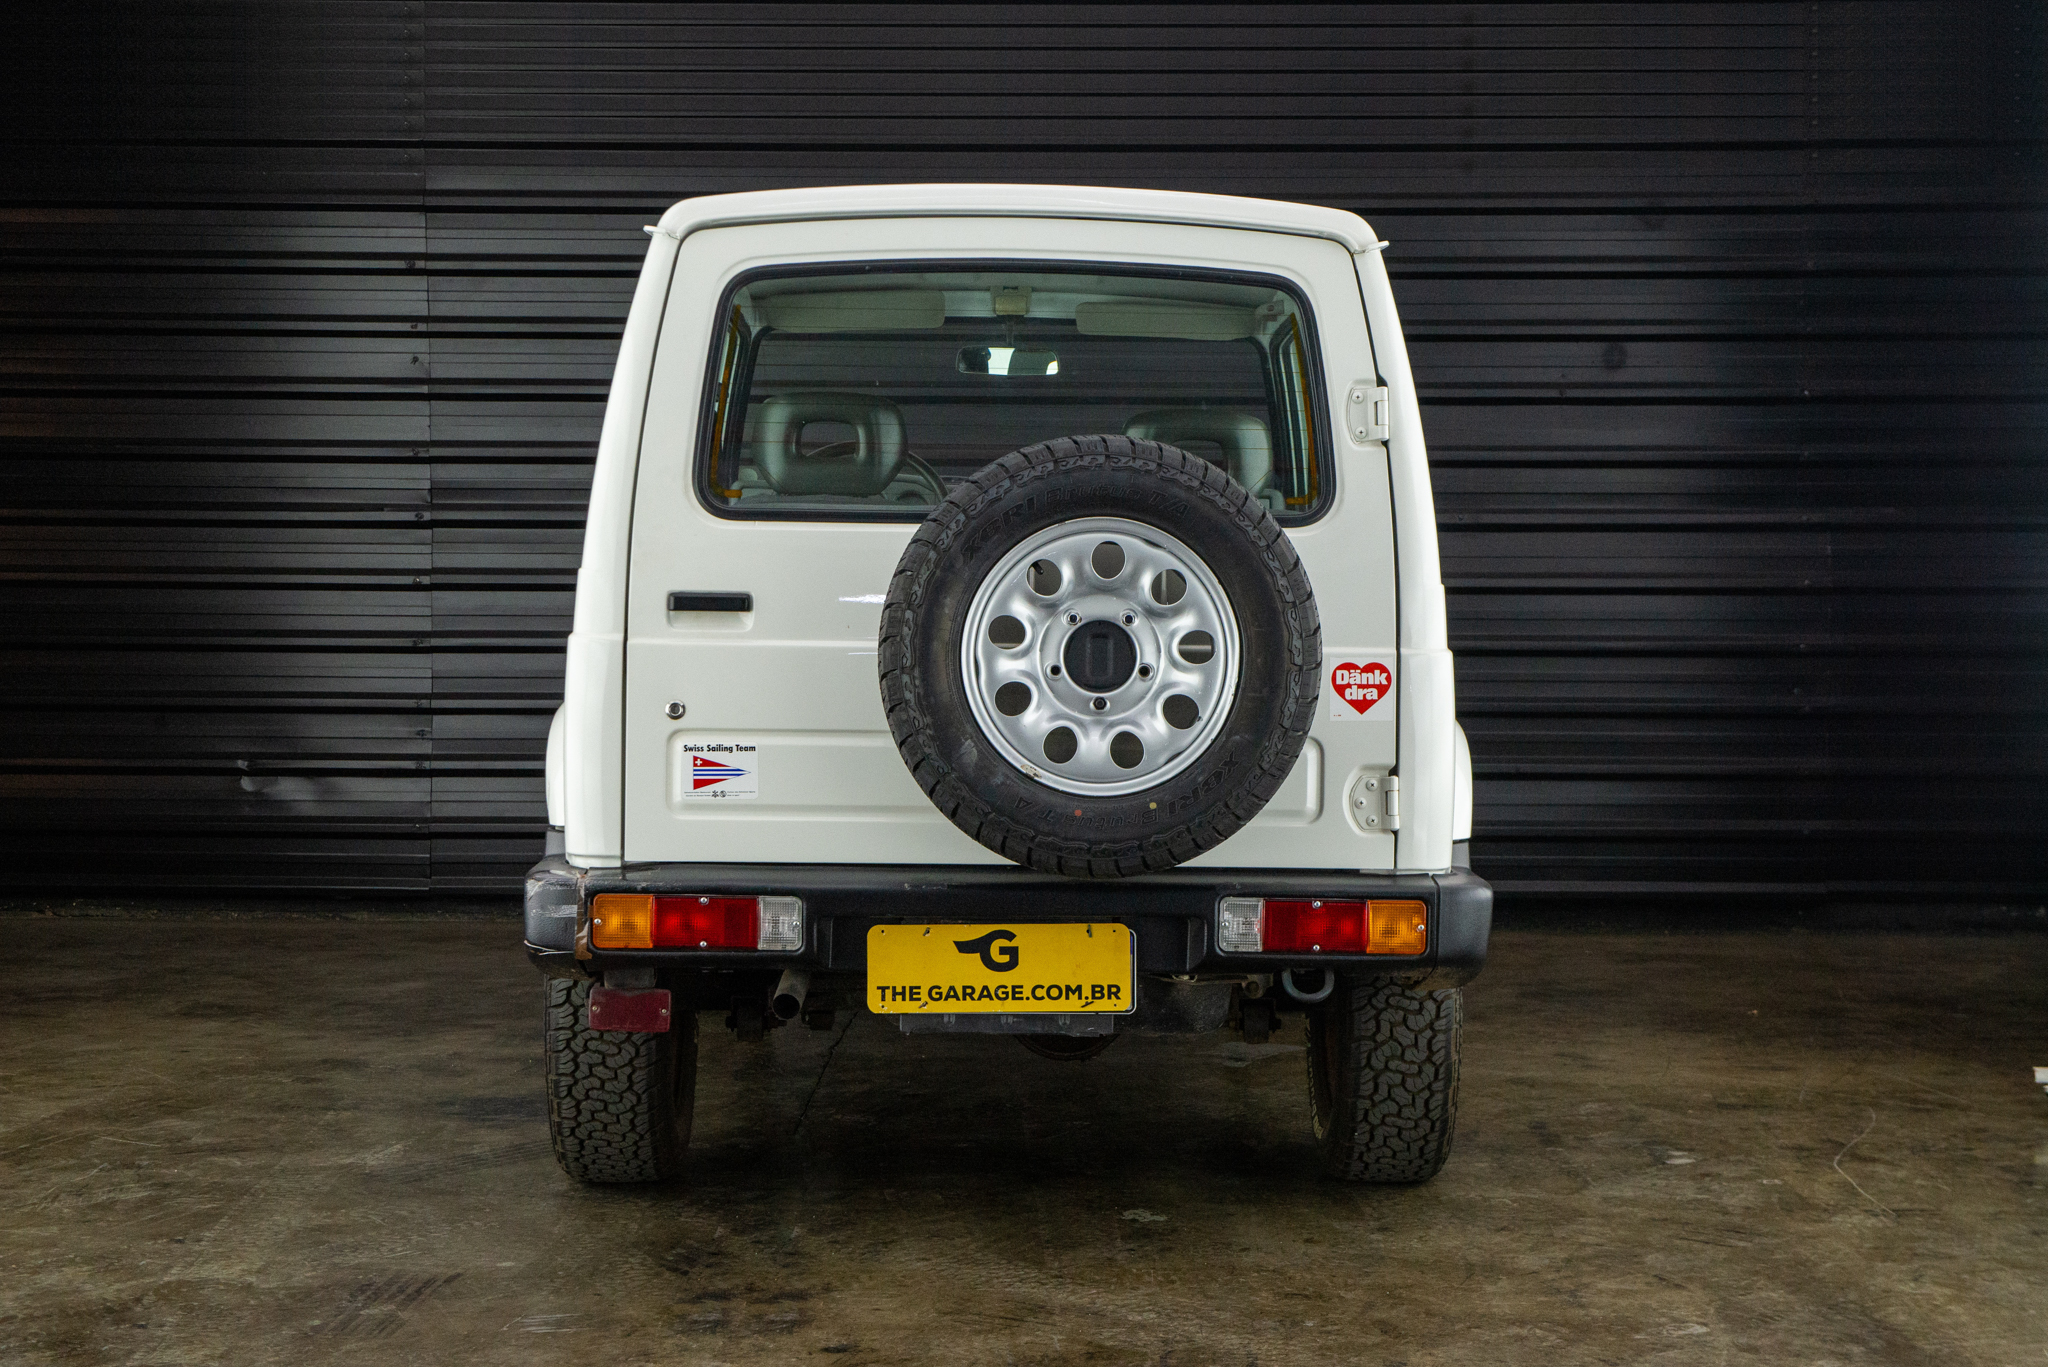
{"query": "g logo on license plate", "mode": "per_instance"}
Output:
(994, 957)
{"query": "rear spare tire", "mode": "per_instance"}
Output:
(1100, 656)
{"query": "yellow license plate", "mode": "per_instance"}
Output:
(1000, 969)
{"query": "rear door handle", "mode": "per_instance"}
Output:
(683, 601)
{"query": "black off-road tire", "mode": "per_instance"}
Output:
(1383, 1080)
(619, 1104)
(1191, 811)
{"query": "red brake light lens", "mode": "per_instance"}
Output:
(705, 922)
(1316, 927)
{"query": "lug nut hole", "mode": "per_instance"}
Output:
(1060, 745)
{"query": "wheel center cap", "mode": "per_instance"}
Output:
(1100, 656)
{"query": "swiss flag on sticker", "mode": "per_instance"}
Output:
(1361, 685)
(705, 772)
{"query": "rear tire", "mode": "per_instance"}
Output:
(619, 1104)
(1383, 1080)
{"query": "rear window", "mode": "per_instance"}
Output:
(870, 393)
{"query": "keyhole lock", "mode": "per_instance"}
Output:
(675, 711)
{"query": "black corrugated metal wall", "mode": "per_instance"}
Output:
(1728, 321)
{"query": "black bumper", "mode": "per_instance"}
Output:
(1172, 915)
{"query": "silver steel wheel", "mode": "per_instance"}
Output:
(1100, 656)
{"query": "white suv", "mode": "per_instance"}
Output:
(1015, 609)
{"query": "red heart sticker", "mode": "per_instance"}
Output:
(1362, 685)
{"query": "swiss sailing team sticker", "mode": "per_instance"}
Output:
(1359, 687)
(720, 770)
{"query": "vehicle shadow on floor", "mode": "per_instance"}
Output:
(896, 1112)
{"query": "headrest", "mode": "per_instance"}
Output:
(864, 471)
(1247, 446)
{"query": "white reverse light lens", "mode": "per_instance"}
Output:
(782, 923)
(1240, 925)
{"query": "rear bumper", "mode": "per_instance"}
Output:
(1172, 915)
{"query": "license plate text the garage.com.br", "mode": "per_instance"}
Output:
(951, 968)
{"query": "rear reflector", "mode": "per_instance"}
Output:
(644, 1013)
(633, 920)
(1251, 925)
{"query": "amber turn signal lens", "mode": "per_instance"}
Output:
(622, 920)
(1399, 927)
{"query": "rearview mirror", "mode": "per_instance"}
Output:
(1006, 360)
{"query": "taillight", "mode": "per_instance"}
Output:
(1318, 927)
(1252, 925)
(705, 922)
(635, 920)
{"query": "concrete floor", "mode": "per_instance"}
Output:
(309, 1141)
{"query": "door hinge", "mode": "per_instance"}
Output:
(1365, 412)
(1376, 802)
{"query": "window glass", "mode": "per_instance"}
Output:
(871, 393)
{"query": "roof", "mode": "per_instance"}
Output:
(1026, 201)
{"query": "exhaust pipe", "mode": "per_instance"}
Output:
(1295, 990)
(788, 1001)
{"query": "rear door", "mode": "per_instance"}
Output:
(754, 730)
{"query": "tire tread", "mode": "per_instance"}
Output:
(618, 1104)
(1393, 1108)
